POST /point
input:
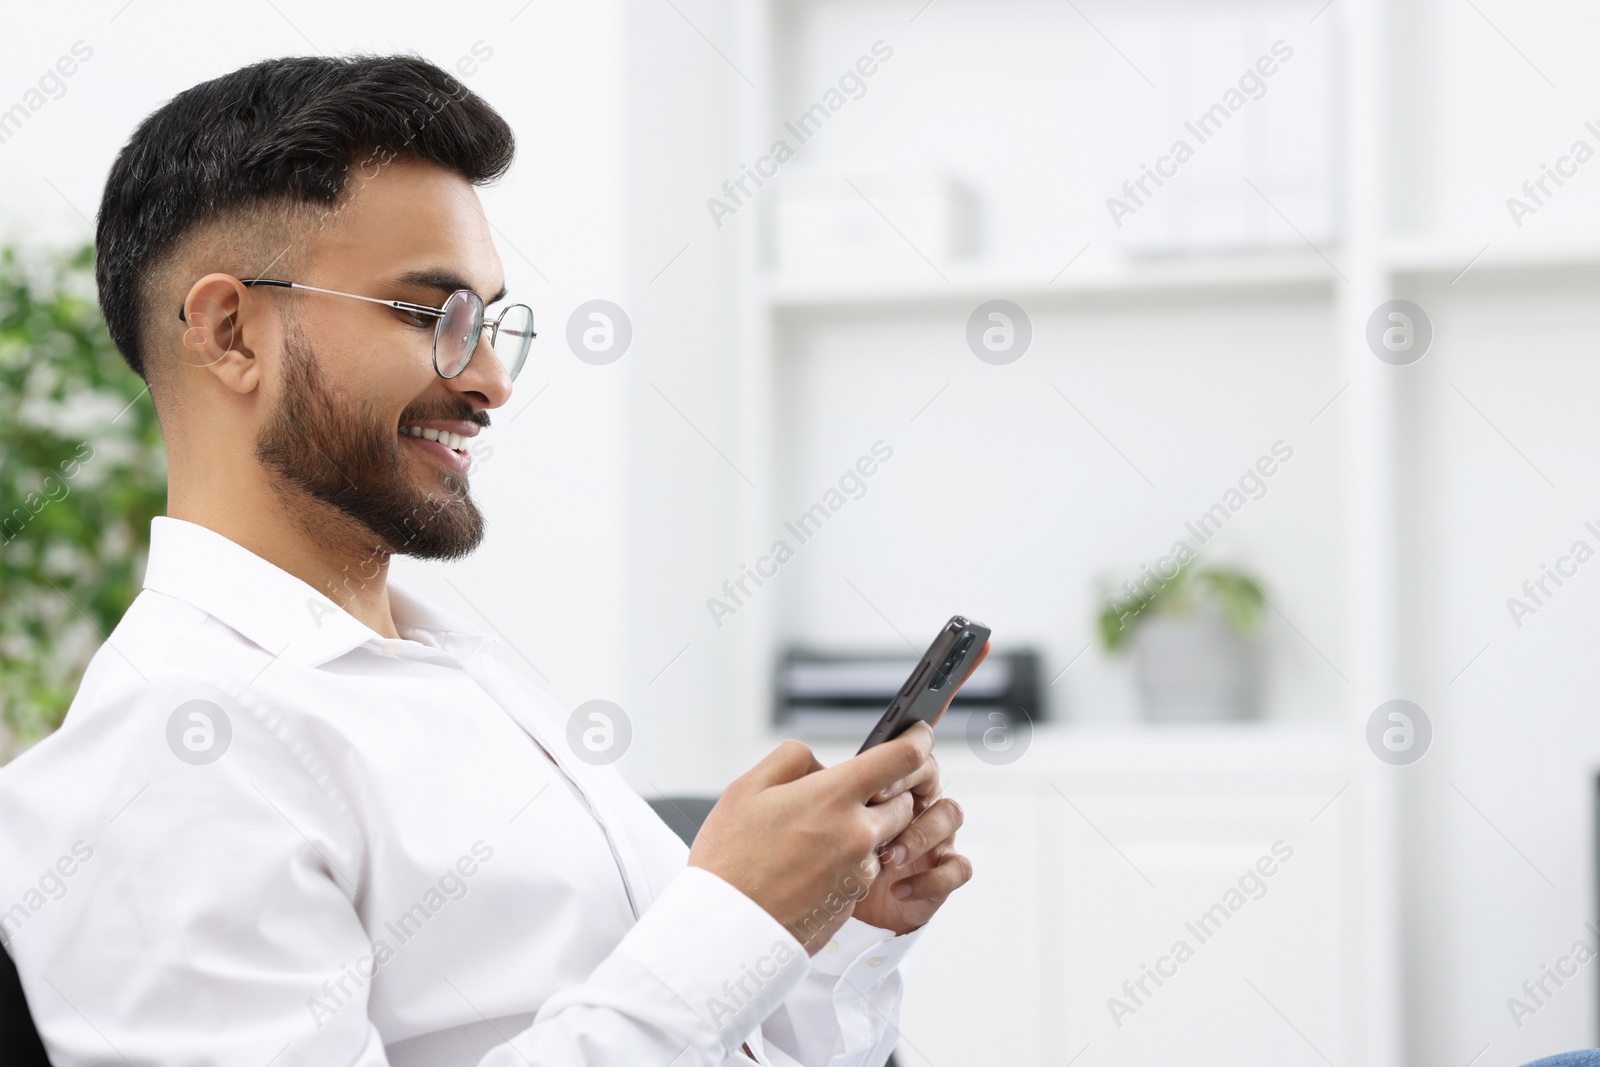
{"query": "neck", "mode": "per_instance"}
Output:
(309, 539)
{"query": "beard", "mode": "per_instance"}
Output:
(342, 454)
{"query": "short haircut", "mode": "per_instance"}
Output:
(277, 134)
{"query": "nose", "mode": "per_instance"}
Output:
(485, 378)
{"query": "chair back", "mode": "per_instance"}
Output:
(19, 1039)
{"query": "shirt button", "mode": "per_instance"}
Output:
(877, 961)
(391, 650)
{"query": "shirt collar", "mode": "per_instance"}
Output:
(276, 610)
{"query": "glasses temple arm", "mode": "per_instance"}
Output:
(402, 305)
(399, 305)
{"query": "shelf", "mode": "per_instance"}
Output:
(1505, 253)
(1245, 275)
(1188, 751)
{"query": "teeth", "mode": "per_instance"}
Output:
(454, 441)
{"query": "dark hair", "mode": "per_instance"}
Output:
(282, 130)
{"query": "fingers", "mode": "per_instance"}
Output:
(923, 782)
(950, 873)
(889, 819)
(884, 765)
(936, 825)
(789, 762)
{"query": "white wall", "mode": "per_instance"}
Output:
(1496, 893)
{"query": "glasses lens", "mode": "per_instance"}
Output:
(458, 332)
(513, 337)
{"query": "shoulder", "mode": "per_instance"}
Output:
(170, 750)
(161, 635)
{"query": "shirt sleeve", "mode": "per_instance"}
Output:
(688, 984)
(846, 1011)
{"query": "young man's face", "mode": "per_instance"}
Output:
(357, 374)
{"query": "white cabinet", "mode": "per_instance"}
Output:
(1099, 853)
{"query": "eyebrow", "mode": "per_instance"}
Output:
(444, 281)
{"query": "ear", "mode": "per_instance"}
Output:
(221, 324)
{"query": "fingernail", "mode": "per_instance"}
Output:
(897, 855)
(902, 890)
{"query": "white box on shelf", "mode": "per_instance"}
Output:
(1236, 150)
(826, 222)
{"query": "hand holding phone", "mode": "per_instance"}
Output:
(961, 645)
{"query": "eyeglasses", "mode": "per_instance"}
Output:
(460, 326)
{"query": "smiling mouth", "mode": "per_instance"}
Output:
(453, 441)
(446, 446)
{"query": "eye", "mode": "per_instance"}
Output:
(416, 319)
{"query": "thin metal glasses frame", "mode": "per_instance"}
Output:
(419, 309)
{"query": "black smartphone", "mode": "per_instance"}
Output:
(949, 662)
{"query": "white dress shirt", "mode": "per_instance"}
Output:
(266, 835)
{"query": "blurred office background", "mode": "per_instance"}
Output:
(1387, 484)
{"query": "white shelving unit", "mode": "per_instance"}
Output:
(1046, 933)
(1407, 518)
(1421, 186)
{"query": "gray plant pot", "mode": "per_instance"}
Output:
(1194, 667)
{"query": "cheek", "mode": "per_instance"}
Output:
(388, 368)
(357, 348)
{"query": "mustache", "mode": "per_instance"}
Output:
(479, 418)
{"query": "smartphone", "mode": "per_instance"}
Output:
(949, 661)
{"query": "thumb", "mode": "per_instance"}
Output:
(789, 762)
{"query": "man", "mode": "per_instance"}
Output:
(297, 813)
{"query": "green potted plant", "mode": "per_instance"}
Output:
(82, 472)
(1193, 636)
